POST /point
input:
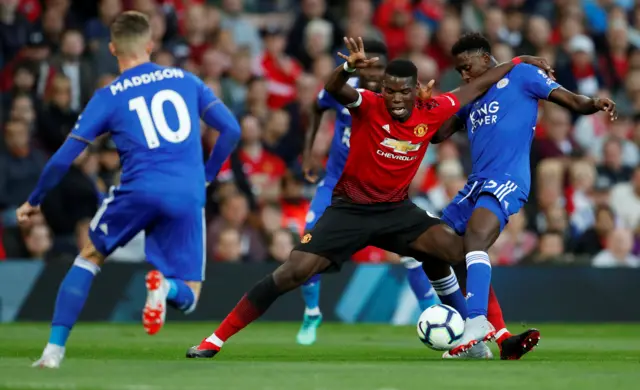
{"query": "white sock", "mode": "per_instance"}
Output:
(312, 311)
(215, 340)
(446, 286)
(410, 262)
(52, 349)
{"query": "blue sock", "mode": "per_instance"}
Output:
(419, 283)
(450, 294)
(72, 295)
(311, 294)
(478, 283)
(181, 296)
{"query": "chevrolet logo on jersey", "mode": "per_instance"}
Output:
(399, 146)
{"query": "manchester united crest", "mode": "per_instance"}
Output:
(420, 130)
(306, 238)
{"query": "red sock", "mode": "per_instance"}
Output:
(242, 315)
(494, 315)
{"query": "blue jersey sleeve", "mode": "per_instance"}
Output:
(535, 81)
(215, 114)
(328, 102)
(94, 120)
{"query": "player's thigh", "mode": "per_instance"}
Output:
(121, 217)
(339, 233)
(401, 226)
(175, 243)
(501, 199)
(457, 213)
(319, 204)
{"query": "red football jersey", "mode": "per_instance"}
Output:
(385, 153)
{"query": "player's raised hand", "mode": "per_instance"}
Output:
(606, 105)
(357, 59)
(25, 212)
(539, 62)
(425, 92)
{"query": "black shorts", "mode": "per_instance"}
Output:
(345, 228)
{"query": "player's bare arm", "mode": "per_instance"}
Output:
(449, 128)
(476, 88)
(357, 59)
(310, 165)
(583, 104)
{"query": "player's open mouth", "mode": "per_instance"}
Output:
(398, 111)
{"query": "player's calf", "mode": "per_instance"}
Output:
(290, 275)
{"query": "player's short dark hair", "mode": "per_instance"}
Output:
(374, 46)
(471, 42)
(402, 68)
(129, 25)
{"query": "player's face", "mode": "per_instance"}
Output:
(399, 95)
(371, 78)
(471, 65)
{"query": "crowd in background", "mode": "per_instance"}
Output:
(267, 60)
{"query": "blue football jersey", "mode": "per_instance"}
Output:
(501, 125)
(153, 116)
(342, 133)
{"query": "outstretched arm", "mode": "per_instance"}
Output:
(337, 84)
(582, 104)
(469, 92)
(308, 164)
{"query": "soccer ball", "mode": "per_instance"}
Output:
(440, 326)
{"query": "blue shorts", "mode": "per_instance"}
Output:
(320, 201)
(174, 231)
(506, 198)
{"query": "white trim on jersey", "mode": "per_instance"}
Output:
(357, 103)
(204, 245)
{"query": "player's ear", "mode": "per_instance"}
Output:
(112, 49)
(149, 48)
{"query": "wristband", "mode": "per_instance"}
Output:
(347, 68)
(516, 60)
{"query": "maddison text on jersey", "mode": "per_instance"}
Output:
(146, 78)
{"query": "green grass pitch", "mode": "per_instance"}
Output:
(351, 357)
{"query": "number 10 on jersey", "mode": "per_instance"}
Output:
(154, 122)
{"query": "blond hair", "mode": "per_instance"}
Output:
(130, 31)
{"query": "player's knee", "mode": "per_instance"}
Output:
(482, 230)
(91, 254)
(297, 270)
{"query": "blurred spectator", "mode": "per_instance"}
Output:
(618, 252)
(619, 130)
(612, 171)
(234, 87)
(581, 74)
(450, 180)
(594, 239)
(60, 118)
(78, 70)
(582, 176)
(271, 218)
(228, 248)
(515, 242)
(279, 70)
(245, 34)
(38, 241)
(262, 168)
(14, 31)
(234, 213)
(550, 249)
(514, 26)
(537, 37)
(615, 63)
(311, 10)
(97, 29)
(73, 201)
(625, 200)
(20, 168)
(22, 110)
(391, 17)
(317, 41)
(360, 13)
(558, 142)
(280, 245)
(293, 205)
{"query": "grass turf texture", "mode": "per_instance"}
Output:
(349, 357)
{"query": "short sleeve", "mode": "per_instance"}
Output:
(365, 100)
(443, 107)
(535, 81)
(94, 120)
(463, 113)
